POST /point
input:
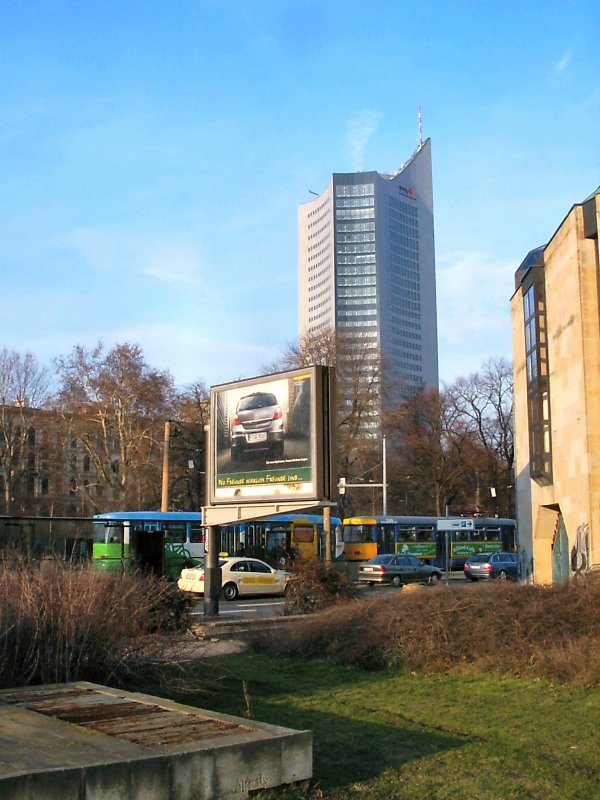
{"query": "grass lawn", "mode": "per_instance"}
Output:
(391, 735)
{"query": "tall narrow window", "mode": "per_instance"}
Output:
(538, 389)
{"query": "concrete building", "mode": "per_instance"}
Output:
(367, 268)
(556, 345)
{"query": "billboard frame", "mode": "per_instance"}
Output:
(293, 465)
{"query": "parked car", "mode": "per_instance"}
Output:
(239, 576)
(485, 566)
(397, 570)
(257, 425)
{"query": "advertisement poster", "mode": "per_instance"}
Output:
(264, 438)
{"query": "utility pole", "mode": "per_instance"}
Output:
(164, 504)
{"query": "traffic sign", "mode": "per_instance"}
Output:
(458, 524)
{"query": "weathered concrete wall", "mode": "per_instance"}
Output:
(87, 742)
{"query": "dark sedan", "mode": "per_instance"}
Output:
(485, 566)
(397, 570)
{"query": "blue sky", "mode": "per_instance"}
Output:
(153, 156)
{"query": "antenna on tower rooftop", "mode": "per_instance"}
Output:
(420, 128)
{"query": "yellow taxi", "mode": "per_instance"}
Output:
(239, 577)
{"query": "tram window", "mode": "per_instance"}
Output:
(175, 533)
(461, 536)
(355, 534)
(425, 534)
(407, 533)
(110, 533)
(197, 534)
(276, 542)
(304, 535)
(491, 534)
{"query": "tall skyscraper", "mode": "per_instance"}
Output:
(367, 268)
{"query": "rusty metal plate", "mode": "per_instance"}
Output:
(140, 722)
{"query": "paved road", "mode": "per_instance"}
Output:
(254, 608)
(245, 609)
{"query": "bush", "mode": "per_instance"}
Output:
(500, 627)
(63, 623)
(315, 585)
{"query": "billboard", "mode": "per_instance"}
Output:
(270, 438)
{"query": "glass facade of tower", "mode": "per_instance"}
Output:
(356, 264)
(367, 268)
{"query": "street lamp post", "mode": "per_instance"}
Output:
(342, 484)
(384, 477)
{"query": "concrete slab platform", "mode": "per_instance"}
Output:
(82, 741)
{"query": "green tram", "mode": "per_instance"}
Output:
(425, 537)
(163, 542)
(167, 542)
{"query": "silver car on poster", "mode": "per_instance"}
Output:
(257, 424)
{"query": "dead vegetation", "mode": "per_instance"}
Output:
(314, 586)
(503, 628)
(63, 623)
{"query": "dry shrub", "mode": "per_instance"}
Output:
(505, 628)
(315, 585)
(336, 633)
(62, 623)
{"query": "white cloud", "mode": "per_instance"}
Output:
(359, 130)
(206, 351)
(167, 259)
(564, 62)
(473, 300)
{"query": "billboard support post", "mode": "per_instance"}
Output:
(327, 532)
(212, 571)
(212, 574)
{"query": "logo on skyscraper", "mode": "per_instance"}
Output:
(408, 192)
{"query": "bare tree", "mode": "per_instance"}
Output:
(358, 395)
(454, 449)
(484, 400)
(187, 484)
(24, 386)
(430, 448)
(115, 405)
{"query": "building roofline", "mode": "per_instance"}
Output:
(536, 256)
(409, 160)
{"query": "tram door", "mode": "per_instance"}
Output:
(256, 540)
(147, 548)
(230, 541)
(385, 539)
(277, 543)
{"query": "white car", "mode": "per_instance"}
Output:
(239, 576)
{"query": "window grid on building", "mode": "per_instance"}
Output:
(538, 391)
